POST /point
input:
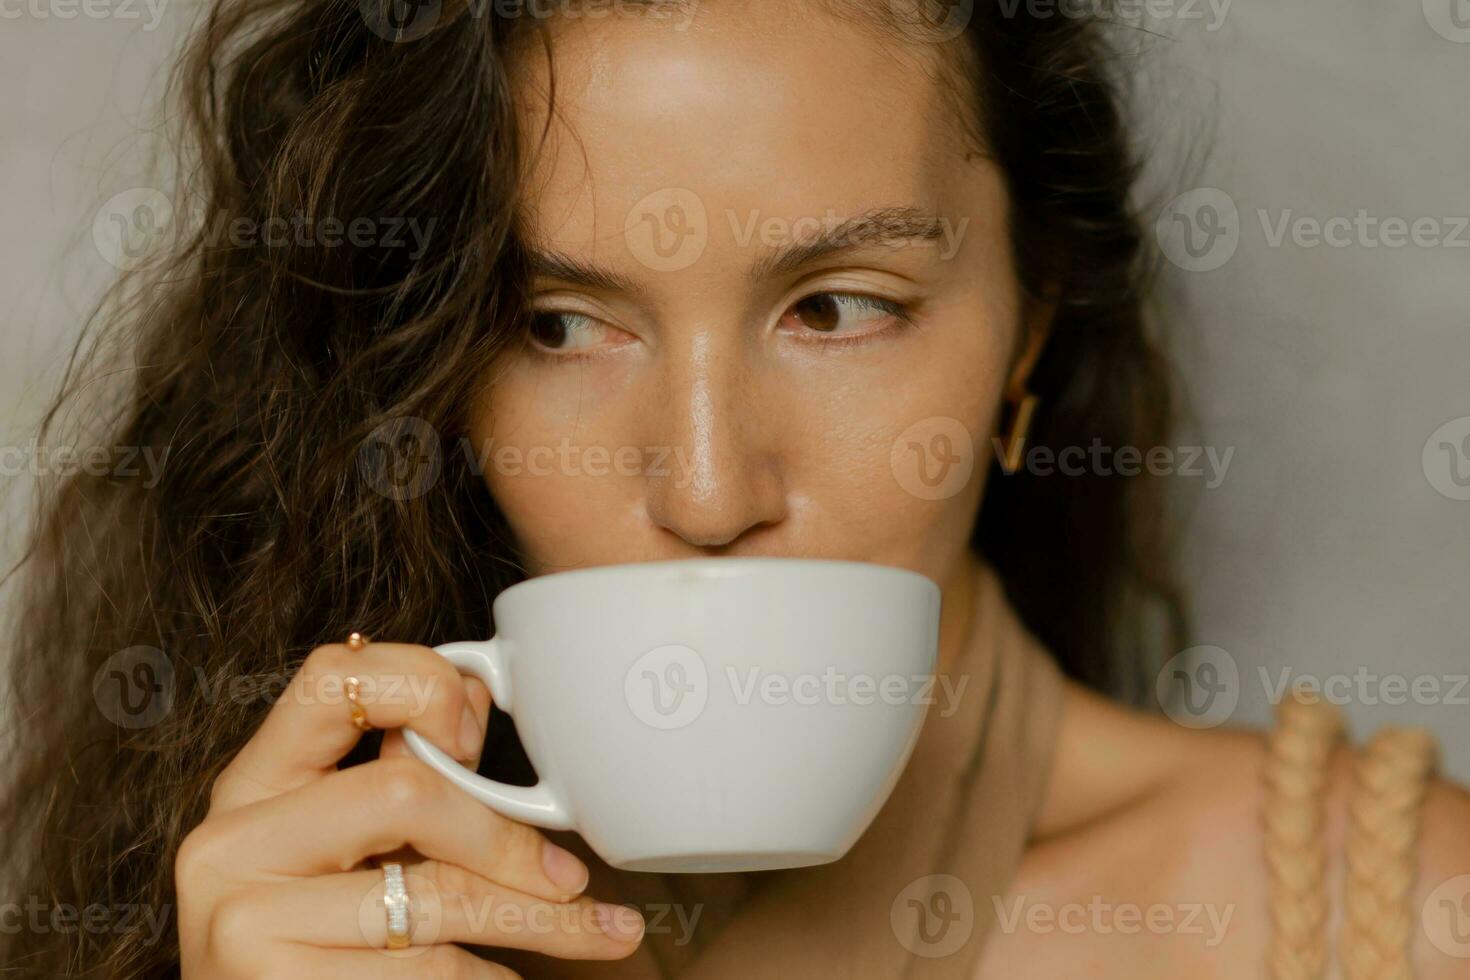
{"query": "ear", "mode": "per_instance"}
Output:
(1035, 331)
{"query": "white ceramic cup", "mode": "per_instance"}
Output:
(709, 714)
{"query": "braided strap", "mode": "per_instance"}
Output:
(1392, 776)
(1297, 753)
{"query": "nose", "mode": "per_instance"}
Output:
(722, 475)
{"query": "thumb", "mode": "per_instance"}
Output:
(477, 713)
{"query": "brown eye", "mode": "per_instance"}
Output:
(554, 330)
(819, 312)
(549, 329)
(844, 313)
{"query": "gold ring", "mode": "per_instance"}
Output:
(396, 901)
(356, 642)
(352, 688)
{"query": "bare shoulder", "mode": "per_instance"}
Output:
(1442, 885)
(1150, 850)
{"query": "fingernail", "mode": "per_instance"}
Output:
(563, 868)
(619, 922)
(471, 739)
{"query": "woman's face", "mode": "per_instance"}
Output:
(775, 302)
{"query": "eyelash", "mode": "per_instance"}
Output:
(900, 313)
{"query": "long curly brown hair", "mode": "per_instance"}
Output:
(271, 373)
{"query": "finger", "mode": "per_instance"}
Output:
(336, 822)
(479, 697)
(310, 728)
(447, 904)
(314, 963)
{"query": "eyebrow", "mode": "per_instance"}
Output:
(888, 226)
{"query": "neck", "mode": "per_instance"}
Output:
(960, 596)
(963, 808)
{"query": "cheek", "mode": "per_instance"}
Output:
(567, 480)
(895, 465)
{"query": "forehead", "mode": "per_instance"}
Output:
(759, 110)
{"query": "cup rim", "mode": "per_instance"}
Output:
(732, 566)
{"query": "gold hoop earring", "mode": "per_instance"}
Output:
(1014, 443)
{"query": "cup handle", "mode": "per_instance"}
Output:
(536, 805)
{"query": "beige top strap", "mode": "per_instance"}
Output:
(1392, 774)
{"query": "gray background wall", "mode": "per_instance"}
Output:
(1332, 547)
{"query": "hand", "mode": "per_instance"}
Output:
(275, 882)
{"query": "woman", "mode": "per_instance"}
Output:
(793, 257)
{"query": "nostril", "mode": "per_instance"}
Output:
(714, 523)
